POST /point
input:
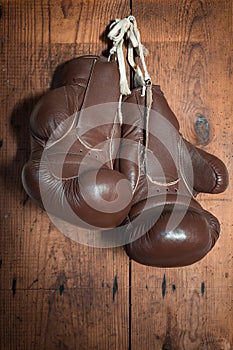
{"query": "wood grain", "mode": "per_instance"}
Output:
(190, 44)
(54, 293)
(57, 294)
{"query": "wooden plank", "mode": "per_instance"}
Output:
(55, 293)
(57, 318)
(190, 44)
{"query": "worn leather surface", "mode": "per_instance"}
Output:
(167, 226)
(89, 170)
(74, 141)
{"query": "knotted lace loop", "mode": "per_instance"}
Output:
(118, 30)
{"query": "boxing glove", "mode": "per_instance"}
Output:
(166, 226)
(75, 135)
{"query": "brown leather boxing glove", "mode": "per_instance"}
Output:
(75, 135)
(166, 226)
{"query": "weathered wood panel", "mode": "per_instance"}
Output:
(190, 45)
(55, 293)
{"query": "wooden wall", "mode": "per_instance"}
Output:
(57, 294)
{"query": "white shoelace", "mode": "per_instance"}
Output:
(128, 26)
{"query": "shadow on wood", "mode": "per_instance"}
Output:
(20, 126)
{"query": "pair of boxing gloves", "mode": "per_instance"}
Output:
(117, 169)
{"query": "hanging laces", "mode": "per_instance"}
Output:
(127, 27)
(118, 29)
